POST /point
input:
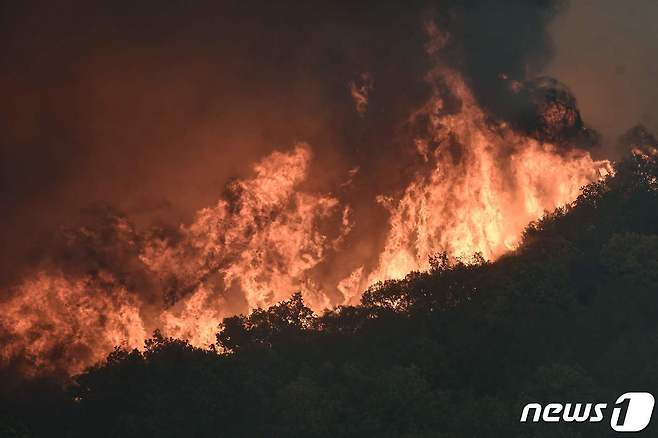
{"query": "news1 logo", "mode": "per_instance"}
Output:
(630, 413)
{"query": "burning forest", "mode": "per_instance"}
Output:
(178, 180)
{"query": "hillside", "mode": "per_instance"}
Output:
(571, 315)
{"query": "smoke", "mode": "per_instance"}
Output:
(607, 53)
(152, 107)
(235, 152)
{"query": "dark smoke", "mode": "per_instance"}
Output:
(152, 106)
(638, 137)
(547, 110)
(606, 51)
(147, 111)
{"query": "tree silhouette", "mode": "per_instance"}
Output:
(571, 315)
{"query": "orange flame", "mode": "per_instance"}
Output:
(478, 187)
(482, 187)
(59, 323)
(263, 243)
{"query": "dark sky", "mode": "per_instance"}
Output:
(151, 106)
(607, 52)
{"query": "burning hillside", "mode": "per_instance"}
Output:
(476, 185)
(321, 157)
(345, 219)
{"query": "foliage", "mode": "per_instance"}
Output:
(572, 315)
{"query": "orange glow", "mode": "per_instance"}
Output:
(263, 243)
(479, 198)
(71, 324)
(477, 187)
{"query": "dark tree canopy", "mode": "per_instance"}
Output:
(572, 315)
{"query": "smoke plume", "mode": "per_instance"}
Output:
(166, 165)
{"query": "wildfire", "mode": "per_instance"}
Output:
(482, 185)
(477, 186)
(58, 323)
(262, 244)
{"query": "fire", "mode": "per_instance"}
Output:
(62, 323)
(261, 243)
(477, 186)
(481, 186)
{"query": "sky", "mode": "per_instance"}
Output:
(152, 108)
(606, 51)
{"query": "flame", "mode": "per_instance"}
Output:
(59, 322)
(481, 187)
(477, 186)
(263, 244)
(360, 88)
